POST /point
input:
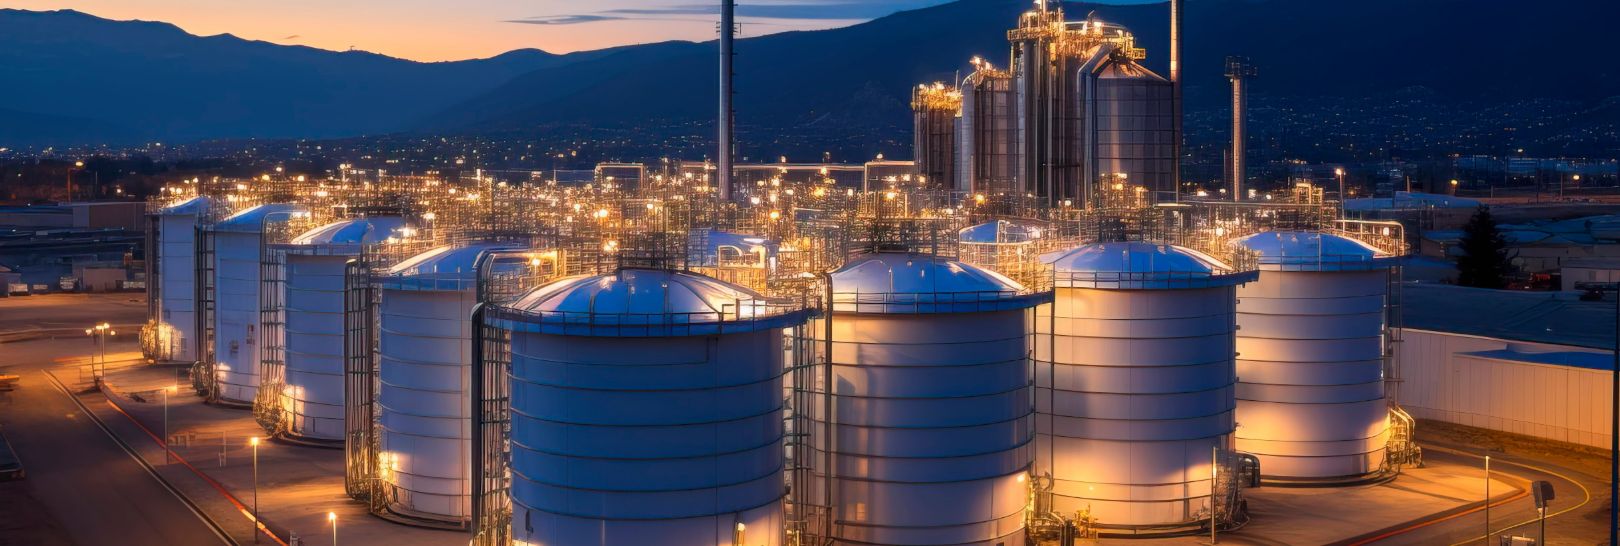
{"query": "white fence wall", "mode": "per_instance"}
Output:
(1563, 403)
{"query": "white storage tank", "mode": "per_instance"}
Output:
(238, 256)
(1136, 380)
(176, 256)
(647, 409)
(1310, 395)
(424, 373)
(315, 267)
(932, 423)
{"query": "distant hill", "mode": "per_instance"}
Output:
(124, 81)
(72, 77)
(863, 74)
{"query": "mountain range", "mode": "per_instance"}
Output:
(73, 78)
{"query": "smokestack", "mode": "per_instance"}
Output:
(1239, 71)
(727, 119)
(1175, 93)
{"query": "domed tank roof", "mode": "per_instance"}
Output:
(357, 231)
(1311, 251)
(992, 232)
(894, 282)
(253, 219)
(646, 303)
(1142, 266)
(199, 205)
(443, 268)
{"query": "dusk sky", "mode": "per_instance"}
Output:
(440, 30)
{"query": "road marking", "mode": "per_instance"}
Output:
(212, 526)
(1587, 493)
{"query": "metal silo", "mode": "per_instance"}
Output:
(1311, 398)
(988, 146)
(238, 243)
(1136, 380)
(923, 428)
(174, 335)
(936, 117)
(309, 401)
(423, 398)
(646, 408)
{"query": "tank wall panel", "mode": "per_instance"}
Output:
(1135, 389)
(425, 366)
(1311, 402)
(236, 321)
(932, 428)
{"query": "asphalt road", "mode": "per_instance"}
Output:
(89, 488)
(1568, 515)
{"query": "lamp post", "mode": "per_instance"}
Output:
(98, 335)
(332, 517)
(1487, 498)
(254, 441)
(1339, 172)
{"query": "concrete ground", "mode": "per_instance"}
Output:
(297, 484)
(81, 486)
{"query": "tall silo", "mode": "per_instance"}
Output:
(424, 368)
(174, 251)
(310, 404)
(927, 434)
(988, 148)
(936, 115)
(646, 408)
(238, 258)
(1136, 381)
(1087, 109)
(1311, 401)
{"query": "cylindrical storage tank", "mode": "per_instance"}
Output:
(315, 267)
(176, 255)
(1310, 344)
(646, 408)
(238, 261)
(1136, 380)
(930, 434)
(424, 369)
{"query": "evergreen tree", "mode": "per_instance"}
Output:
(1485, 261)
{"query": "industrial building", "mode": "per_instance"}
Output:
(1075, 109)
(1023, 337)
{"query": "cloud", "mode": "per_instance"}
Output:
(801, 10)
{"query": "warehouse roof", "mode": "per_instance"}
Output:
(1543, 317)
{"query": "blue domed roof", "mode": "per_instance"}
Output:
(893, 282)
(199, 205)
(1311, 251)
(1142, 266)
(253, 219)
(357, 231)
(646, 303)
(999, 231)
(443, 268)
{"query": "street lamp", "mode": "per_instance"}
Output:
(332, 517)
(98, 335)
(1487, 497)
(1339, 172)
(254, 441)
(1454, 186)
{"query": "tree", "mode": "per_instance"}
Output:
(1485, 261)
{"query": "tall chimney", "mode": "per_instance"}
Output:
(1239, 71)
(1175, 93)
(727, 119)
